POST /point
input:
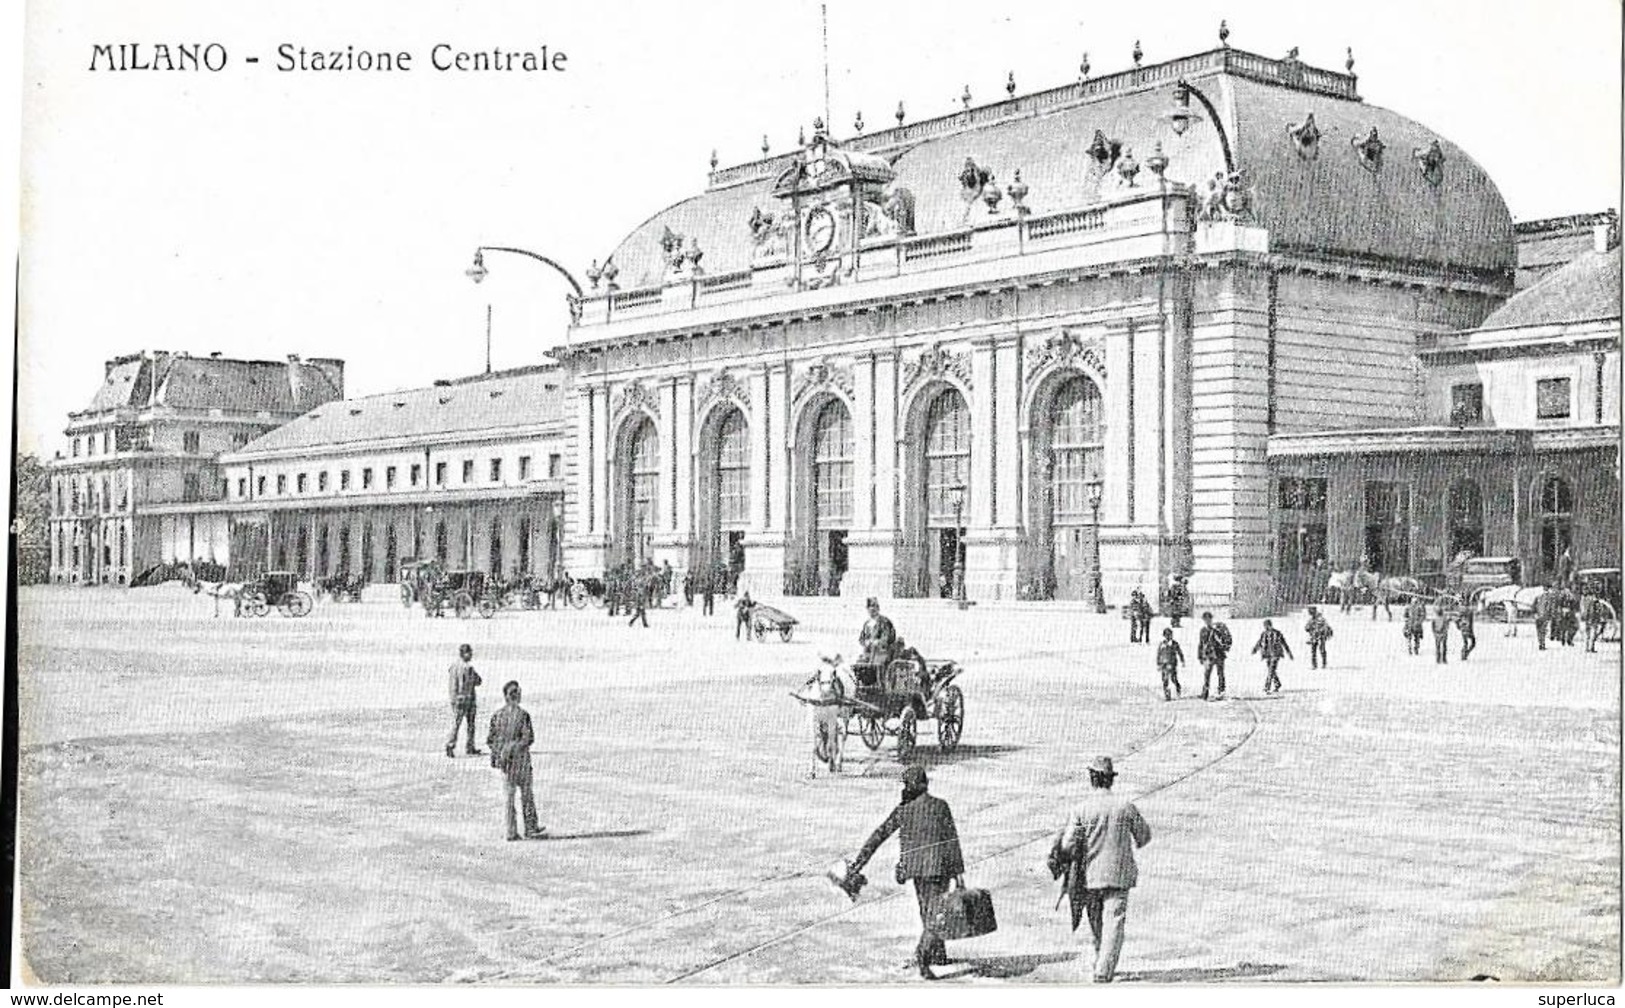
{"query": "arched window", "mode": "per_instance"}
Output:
(1465, 521)
(947, 456)
(832, 464)
(733, 471)
(123, 546)
(645, 477)
(1556, 519)
(1077, 444)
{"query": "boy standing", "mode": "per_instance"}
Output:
(463, 681)
(1169, 656)
(1271, 646)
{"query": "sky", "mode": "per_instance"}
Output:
(259, 213)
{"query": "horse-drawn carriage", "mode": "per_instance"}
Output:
(1362, 587)
(416, 577)
(765, 619)
(465, 592)
(342, 587)
(276, 588)
(581, 591)
(892, 700)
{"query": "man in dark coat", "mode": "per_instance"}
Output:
(1416, 614)
(1271, 647)
(927, 852)
(878, 638)
(1179, 600)
(1441, 635)
(1548, 610)
(510, 739)
(1212, 646)
(639, 588)
(708, 592)
(1319, 632)
(742, 612)
(1469, 637)
(1139, 618)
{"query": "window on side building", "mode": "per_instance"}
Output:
(190, 489)
(191, 442)
(302, 483)
(468, 470)
(440, 474)
(344, 479)
(1552, 399)
(389, 477)
(366, 478)
(524, 467)
(281, 484)
(496, 470)
(554, 464)
(259, 486)
(321, 481)
(1467, 403)
(417, 474)
(242, 486)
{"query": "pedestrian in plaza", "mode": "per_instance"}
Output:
(878, 638)
(1179, 600)
(612, 591)
(1441, 635)
(510, 739)
(556, 586)
(1095, 851)
(463, 682)
(1169, 658)
(1464, 623)
(1212, 646)
(742, 612)
(1595, 613)
(1565, 569)
(665, 583)
(1416, 614)
(638, 593)
(1547, 612)
(1319, 632)
(1568, 618)
(1346, 603)
(708, 593)
(1139, 618)
(688, 587)
(927, 853)
(1271, 647)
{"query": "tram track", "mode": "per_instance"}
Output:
(738, 902)
(1251, 729)
(810, 870)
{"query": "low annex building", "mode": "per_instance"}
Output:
(467, 471)
(146, 451)
(996, 345)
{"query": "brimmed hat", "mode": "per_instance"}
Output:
(1102, 765)
(872, 601)
(914, 777)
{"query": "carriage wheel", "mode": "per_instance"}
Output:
(950, 718)
(908, 729)
(294, 604)
(488, 608)
(578, 595)
(1610, 628)
(255, 604)
(463, 603)
(871, 730)
(784, 633)
(761, 631)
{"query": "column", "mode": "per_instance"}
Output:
(870, 543)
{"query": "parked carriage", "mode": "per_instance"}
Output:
(765, 619)
(581, 591)
(279, 589)
(464, 592)
(416, 577)
(342, 587)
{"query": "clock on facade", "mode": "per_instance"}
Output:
(820, 230)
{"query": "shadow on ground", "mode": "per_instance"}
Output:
(1203, 974)
(1013, 965)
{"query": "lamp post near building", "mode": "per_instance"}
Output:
(1097, 489)
(558, 539)
(478, 272)
(958, 493)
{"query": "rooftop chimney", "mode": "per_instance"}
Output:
(296, 382)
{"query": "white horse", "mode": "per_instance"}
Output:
(824, 694)
(217, 590)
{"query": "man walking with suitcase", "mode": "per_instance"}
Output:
(927, 852)
(1212, 647)
(1095, 850)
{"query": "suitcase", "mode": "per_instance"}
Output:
(965, 913)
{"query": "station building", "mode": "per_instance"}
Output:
(466, 471)
(978, 345)
(145, 453)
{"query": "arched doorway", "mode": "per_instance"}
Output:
(724, 490)
(823, 503)
(939, 494)
(637, 493)
(1068, 458)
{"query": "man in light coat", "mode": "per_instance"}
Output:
(462, 681)
(1095, 850)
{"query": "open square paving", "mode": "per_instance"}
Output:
(208, 799)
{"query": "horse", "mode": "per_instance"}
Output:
(827, 715)
(1345, 587)
(218, 590)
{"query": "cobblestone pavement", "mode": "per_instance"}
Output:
(208, 799)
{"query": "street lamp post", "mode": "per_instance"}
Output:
(959, 546)
(558, 539)
(1096, 491)
(478, 272)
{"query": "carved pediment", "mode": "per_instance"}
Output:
(636, 395)
(1066, 349)
(937, 361)
(723, 385)
(823, 374)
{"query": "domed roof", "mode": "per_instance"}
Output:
(1328, 198)
(1587, 288)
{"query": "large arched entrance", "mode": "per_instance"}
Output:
(937, 502)
(1068, 437)
(824, 506)
(724, 491)
(637, 492)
